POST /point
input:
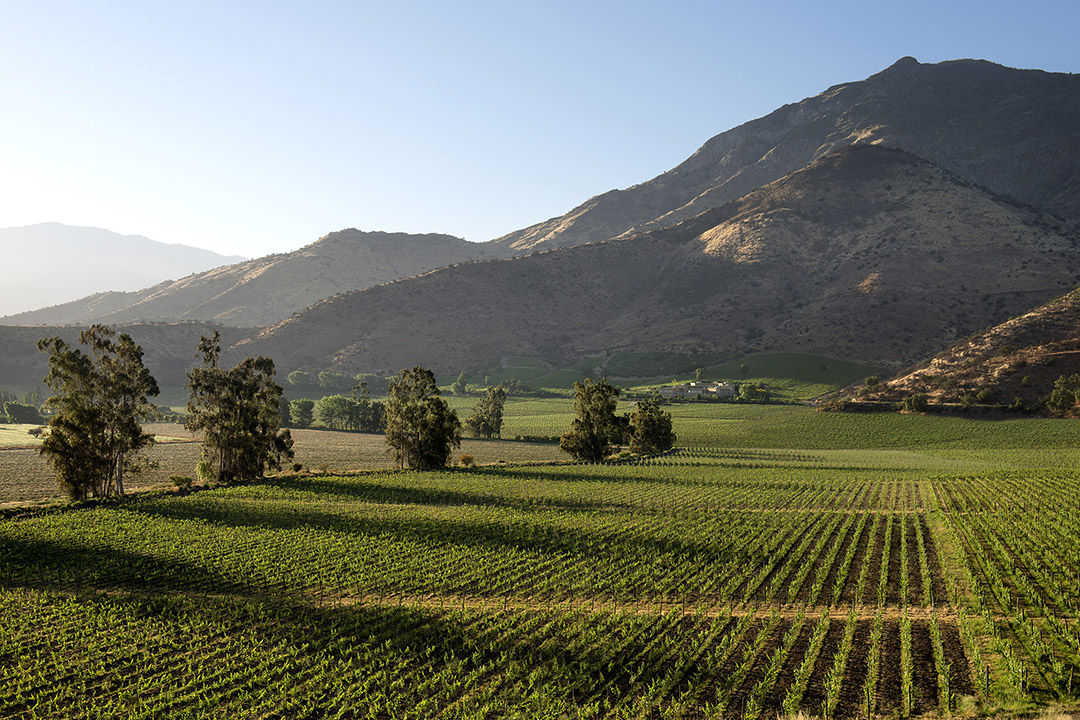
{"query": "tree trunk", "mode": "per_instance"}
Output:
(120, 475)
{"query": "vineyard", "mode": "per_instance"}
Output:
(706, 583)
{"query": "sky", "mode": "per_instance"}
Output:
(250, 128)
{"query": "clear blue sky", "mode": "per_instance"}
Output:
(256, 127)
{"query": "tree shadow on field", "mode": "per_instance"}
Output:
(72, 566)
(394, 655)
(526, 530)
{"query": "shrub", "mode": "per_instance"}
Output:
(467, 460)
(182, 482)
(915, 403)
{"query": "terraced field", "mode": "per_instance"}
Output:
(732, 583)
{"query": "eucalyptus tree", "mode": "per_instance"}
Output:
(237, 413)
(595, 428)
(421, 428)
(487, 417)
(100, 399)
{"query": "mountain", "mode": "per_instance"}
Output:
(1014, 132)
(268, 289)
(52, 263)
(871, 254)
(169, 349)
(1019, 358)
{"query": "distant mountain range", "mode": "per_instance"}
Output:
(879, 221)
(268, 289)
(52, 263)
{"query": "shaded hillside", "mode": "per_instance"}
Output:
(1021, 357)
(271, 288)
(52, 263)
(1012, 131)
(168, 349)
(869, 254)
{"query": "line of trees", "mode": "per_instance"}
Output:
(102, 396)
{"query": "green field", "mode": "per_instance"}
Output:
(790, 376)
(788, 561)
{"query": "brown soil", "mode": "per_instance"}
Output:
(851, 697)
(889, 676)
(960, 680)
(925, 674)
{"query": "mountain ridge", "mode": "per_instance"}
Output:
(264, 290)
(942, 112)
(868, 237)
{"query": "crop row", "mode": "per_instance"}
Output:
(140, 657)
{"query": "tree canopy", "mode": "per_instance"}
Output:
(21, 413)
(595, 427)
(487, 417)
(358, 413)
(95, 434)
(302, 412)
(421, 429)
(650, 428)
(236, 411)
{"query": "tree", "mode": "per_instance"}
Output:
(375, 383)
(595, 427)
(333, 381)
(1065, 395)
(100, 399)
(236, 411)
(367, 415)
(458, 388)
(302, 412)
(334, 411)
(487, 417)
(915, 403)
(650, 428)
(285, 411)
(421, 428)
(300, 379)
(21, 414)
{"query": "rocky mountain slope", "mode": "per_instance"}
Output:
(52, 263)
(1019, 358)
(1014, 132)
(870, 254)
(265, 290)
(169, 349)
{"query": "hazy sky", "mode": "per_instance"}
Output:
(256, 127)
